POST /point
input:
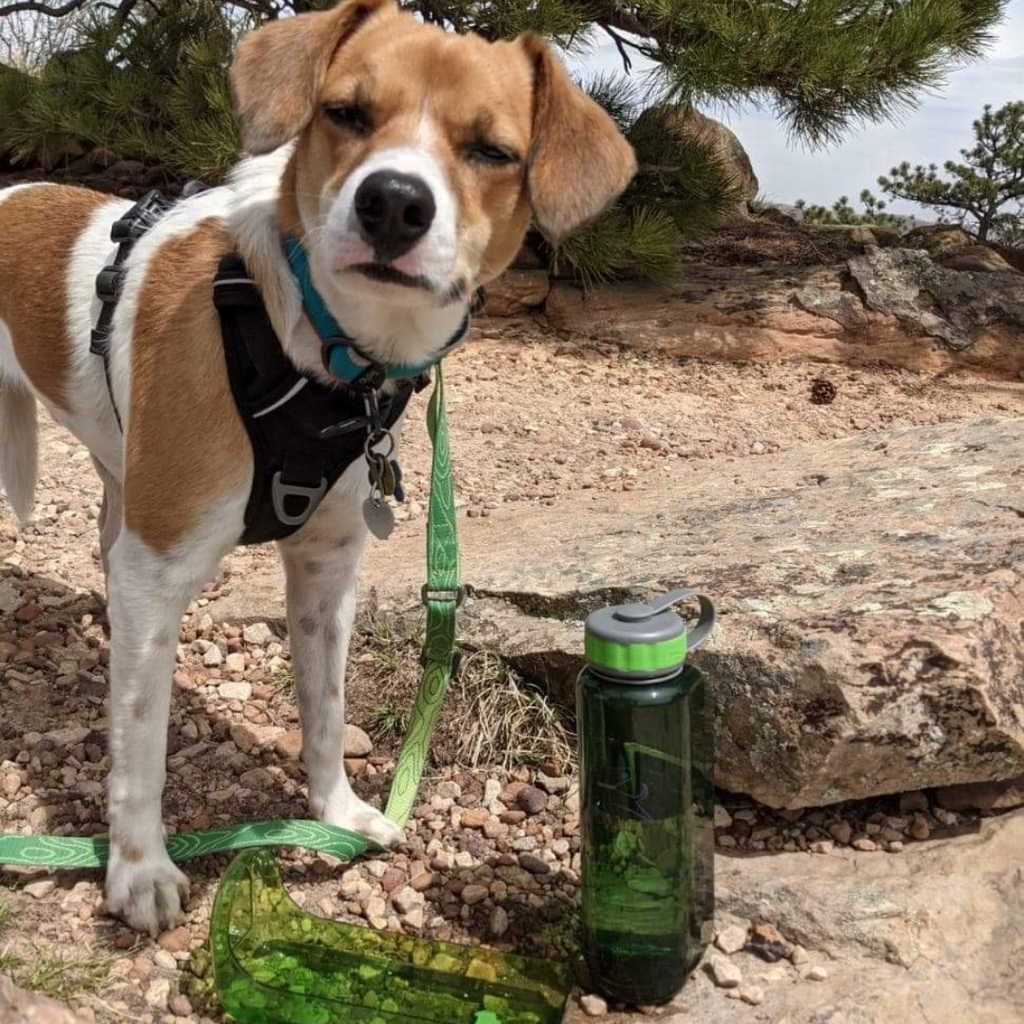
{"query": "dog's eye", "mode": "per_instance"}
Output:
(486, 153)
(355, 119)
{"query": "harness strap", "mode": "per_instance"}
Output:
(125, 231)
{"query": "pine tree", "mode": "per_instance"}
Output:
(147, 79)
(986, 190)
(842, 212)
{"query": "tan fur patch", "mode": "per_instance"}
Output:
(579, 161)
(274, 108)
(186, 446)
(419, 86)
(408, 76)
(130, 854)
(38, 230)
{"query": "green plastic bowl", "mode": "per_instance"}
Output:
(276, 964)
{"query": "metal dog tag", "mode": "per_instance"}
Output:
(379, 517)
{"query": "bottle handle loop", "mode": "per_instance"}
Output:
(696, 636)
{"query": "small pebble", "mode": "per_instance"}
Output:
(724, 972)
(841, 832)
(498, 923)
(534, 864)
(816, 973)
(158, 993)
(180, 1006)
(913, 802)
(174, 941)
(752, 994)
(593, 1006)
(235, 691)
(259, 634)
(474, 894)
(39, 890)
(165, 960)
(732, 939)
(532, 800)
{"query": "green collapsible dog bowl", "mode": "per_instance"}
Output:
(276, 964)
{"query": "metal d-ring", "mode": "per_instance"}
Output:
(375, 437)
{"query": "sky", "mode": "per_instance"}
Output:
(933, 133)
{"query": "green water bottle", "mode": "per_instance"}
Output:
(647, 797)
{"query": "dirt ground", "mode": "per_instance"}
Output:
(535, 418)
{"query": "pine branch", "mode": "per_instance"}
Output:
(32, 6)
(121, 10)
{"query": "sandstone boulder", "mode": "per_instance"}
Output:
(872, 606)
(517, 291)
(871, 309)
(940, 302)
(986, 796)
(977, 259)
(870, 592)
(930, 936)
(684, 123)
(865, 234)
(726, 145)
(938, 240)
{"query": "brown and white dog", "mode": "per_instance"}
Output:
(460, 141)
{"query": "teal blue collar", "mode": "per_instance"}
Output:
(342, 356)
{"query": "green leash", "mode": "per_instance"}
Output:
(441, 595)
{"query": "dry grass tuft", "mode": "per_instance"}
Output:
(501, 721)
(59, 975)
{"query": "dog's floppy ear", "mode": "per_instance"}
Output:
(279, 68)
(579, 162)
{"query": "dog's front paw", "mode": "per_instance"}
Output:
(360, 817)
(147, 892)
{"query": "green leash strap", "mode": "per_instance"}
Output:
(441, 596)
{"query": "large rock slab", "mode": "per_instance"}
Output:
(950, 303)
(888, 306)
(870, 595)
(931, 936)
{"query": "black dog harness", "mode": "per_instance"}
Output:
(304, 433)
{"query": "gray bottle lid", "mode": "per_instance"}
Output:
(645, 641)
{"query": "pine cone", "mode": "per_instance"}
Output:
(823, 392)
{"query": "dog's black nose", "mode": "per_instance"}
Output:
(395, 211)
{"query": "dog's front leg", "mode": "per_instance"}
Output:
(321, 609)
(147, 594)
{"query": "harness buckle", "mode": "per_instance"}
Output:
(428, 593)
(280, 492)
(108, 283)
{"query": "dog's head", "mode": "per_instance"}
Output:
(421, 154)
